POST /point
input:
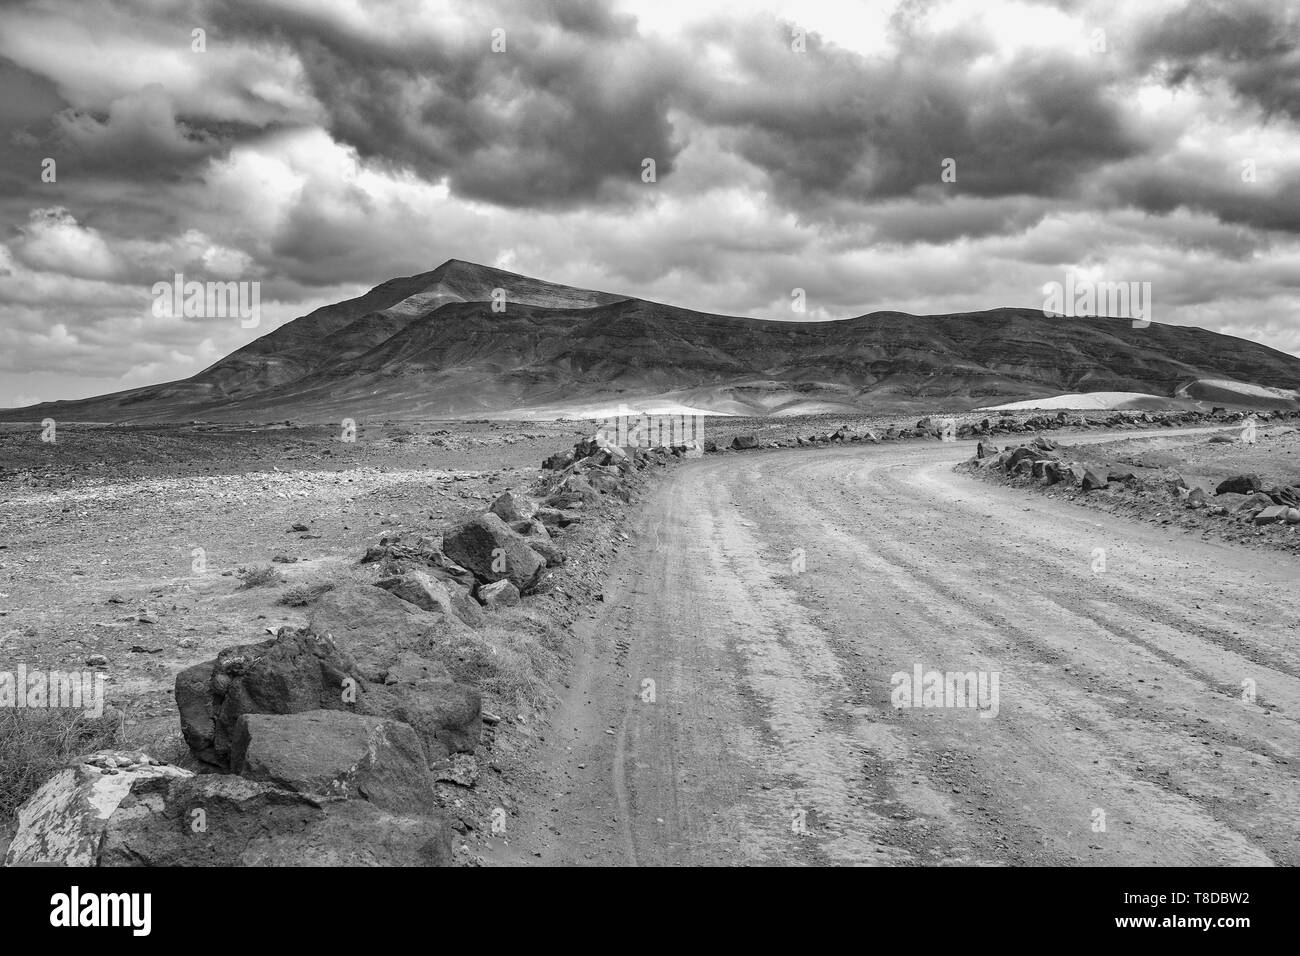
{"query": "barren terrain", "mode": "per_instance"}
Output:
(1121, 691)
(767, 596)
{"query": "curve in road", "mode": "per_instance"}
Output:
(736, 698)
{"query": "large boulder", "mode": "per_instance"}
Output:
(744, 442)
(226, 820)
(487, 546)
(447, 716)
(373, 626)
(334, 754)
(985, 450)
(1239, 484)
(63, 822)
(295, 671)
(446, 600)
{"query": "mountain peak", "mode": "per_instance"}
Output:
(427, 345)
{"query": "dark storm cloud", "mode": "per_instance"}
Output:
(829, 124)
(1253, 45)
(566, 113)
(1275, 207)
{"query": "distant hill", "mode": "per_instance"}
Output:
(431, 346)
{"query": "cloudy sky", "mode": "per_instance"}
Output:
(319, 147)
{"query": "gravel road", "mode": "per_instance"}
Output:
(735, 704)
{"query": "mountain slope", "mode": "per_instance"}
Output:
(431, 346)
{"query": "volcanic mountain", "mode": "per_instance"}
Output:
(433, 346)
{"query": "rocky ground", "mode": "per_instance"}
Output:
(141, 552)
(1224, 483)
(127, 550)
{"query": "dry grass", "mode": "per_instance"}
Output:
(260, 577)
(36, 743)
(305, 593)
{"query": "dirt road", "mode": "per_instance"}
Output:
(771, 597)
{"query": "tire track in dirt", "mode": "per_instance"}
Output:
(771, 687)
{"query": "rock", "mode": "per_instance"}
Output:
(336, 755)
(63, 822)
(573, 489)
(1256, 502)
(1092, 480)
(96, 660)
(373, 627)
(511, 506)
(550, 552)
(984, 450)
(557, 518)
(558, 462)
(249, 823)
(1240, 484)
(1025, 466)
(193, 695)
(1293, 515)
(436, 597)
(493, 552)
(420, 555)
(1222, 439)
(498, 594)
(744, 442)
(1196, 498)
(411, 667)
(447, 716)
(532, 528)
(1120, 474)
(1272, 514)
(293, 672)
(1043, 442)
(608, 481)
(1025, 453)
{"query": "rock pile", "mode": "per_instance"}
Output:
(1039, 461)
(322, 744)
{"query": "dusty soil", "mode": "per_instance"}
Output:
(1201, 462)
(771, 685)
(772, 736)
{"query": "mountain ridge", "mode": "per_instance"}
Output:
(432, 345)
